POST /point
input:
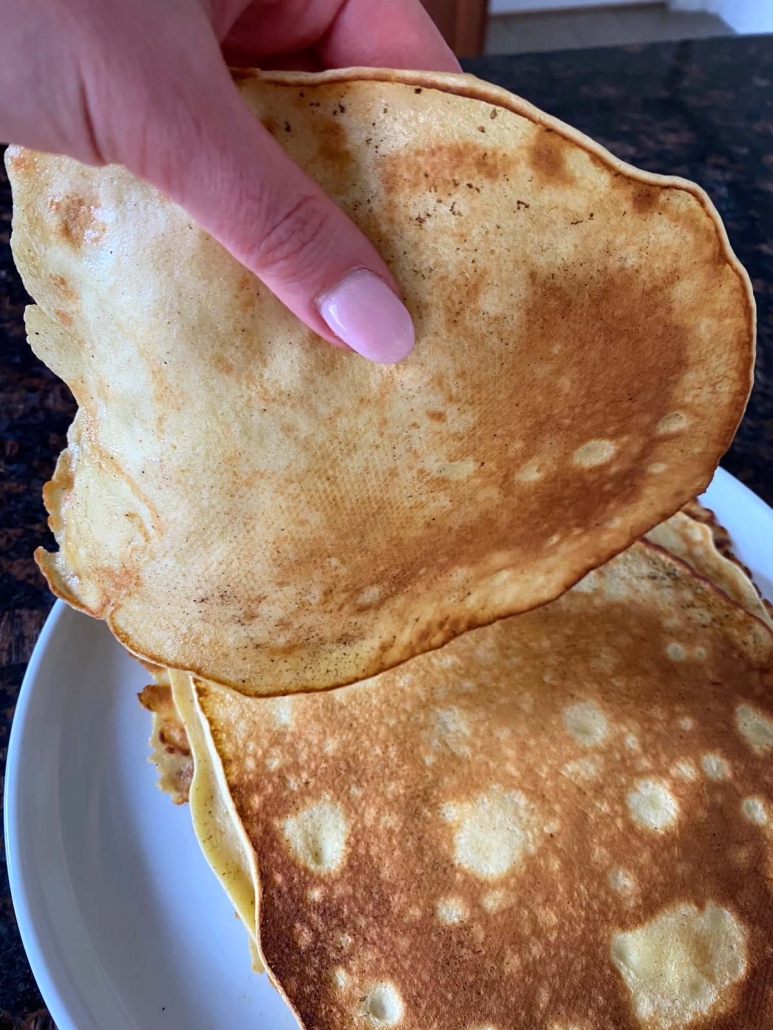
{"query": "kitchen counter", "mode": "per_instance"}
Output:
(703, 110)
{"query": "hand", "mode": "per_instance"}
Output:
(144, 83)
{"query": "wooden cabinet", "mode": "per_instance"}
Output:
(462, 22)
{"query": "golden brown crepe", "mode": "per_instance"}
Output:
(170, 750)
(700, 513)
(683, 536)
(695, 543)
(723, 544)
(561, 820)
(244, 502)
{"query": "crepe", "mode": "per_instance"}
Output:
(696, 544)
(561, 820)
(242, 501)
(170, 750)
(721, 537)
(722, 543)
(217, 825)
(683, 536)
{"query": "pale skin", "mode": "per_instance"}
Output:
(145, 84)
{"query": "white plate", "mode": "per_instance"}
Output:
(125, 926)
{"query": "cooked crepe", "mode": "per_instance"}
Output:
(240, 500)
(695, 543)
(561, 820)
(217, 825)
(722, 541)
(723, 544)
(170, 750)
(682, 535)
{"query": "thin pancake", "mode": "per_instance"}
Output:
(682, 535)
(722, 543)
(215, 821)
(696, 544)
(244, 502)
(170, 750)
(700, 513)
(563, 819)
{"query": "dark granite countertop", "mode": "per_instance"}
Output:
(703, 110)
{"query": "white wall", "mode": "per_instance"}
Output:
(743, 16)
(522, 6)
(747, 15)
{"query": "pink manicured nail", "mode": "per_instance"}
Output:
(363, 312)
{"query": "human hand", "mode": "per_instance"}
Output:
(144, 83)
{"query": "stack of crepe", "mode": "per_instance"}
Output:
(463, 750)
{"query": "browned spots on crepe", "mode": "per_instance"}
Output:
(21, 160)
(645, 198)
(170, 750)
(332, 145)
(77, 220)
(63, 317)
(444, 167)
(224, 364)
(63, 288)
(548, 158)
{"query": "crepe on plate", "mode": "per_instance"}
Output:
(564, 819)
(695, 542)
(242, 501)
(693, 535)
(171, 751)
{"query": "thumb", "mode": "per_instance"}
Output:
(204, 149)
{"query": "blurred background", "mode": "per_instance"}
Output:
(527, 26)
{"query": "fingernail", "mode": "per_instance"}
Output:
(363, 312)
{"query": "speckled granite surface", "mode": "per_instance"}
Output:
(699, 109)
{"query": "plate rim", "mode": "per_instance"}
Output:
(19, 886)
(70, 1013)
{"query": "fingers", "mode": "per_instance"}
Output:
(344, 33)
(303, 61)
(386, 34)
(203, 148)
